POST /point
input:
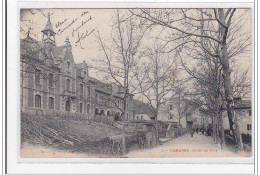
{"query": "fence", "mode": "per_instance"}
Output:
(104, 119)
(52, 113)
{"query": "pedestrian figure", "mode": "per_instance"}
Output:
(202, 131)
(197, 130)
(191, 132)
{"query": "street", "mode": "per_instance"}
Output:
(186, 146)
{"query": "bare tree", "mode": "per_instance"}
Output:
(179, 98)
(120, 56)
(214, 28)
(156, 75)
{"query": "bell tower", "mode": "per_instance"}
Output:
(48, 33)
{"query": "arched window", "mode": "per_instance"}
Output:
(38, 101)
(51, 103)
(68, 85)
(108, 113)
(37, 76)
(68, 65)
(96, 97)
(102, 112)
(67, 105)
(88, 90)
(51, 80)
(108, 101)
(81, 91)
(88, 108)
(81, 107)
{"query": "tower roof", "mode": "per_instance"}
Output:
(48, 27)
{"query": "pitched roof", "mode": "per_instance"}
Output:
(243, 104)
(142, 108)
(95, 80)
(30, 47)
(48, 26)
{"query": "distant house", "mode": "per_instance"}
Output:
(205, 119)
(189, 113)
(142, 111)
(243, 110)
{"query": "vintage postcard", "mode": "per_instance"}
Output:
(136, 83)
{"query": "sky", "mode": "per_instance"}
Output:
(62, 18)
(82, 23)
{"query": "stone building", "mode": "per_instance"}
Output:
(52, 83)
(142, 111)
(243, 111)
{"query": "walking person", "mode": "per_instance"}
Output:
(191, 132)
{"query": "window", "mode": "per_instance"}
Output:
(67, 105)
(38, 101)
(68, 85)
(250, 112)
(88, 108)
(81, 107)
(170, 107)
(68, 66)
(96, 111)
(108, 101)
(113, 102)
(96, 97)
(37, 76)
(81, 89)
(88, 89)
(142, 117)
(249, 127)
(51, 80)
(51, 103)
(127, 116)
(137, 117)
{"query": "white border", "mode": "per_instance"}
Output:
(162, 164)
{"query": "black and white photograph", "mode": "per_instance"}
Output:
(136, 82)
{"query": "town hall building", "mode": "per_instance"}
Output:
(53, 84)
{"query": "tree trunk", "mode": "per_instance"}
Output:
(234, 127)
(222, 133)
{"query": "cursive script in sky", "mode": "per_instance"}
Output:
(80, 27)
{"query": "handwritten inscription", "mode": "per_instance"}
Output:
(60, 31)
(84, 13)
(60, 23)
(82, 36)
(81, 25)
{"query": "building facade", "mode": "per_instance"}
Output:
(243, 111)
(52, 83)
